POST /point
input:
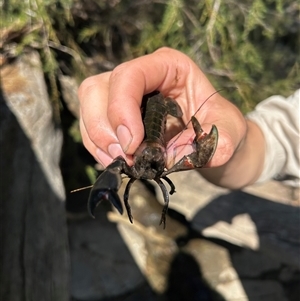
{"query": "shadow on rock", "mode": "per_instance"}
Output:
(186, 281)
(268, 235)
(253, 222)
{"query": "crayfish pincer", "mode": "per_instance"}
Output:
(149, 158)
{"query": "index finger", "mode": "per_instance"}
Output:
(131, 80)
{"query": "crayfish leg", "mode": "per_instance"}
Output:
(126, 196)
(171, 184)
(166, 200)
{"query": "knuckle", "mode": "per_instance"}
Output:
(119, 70)
(115, 110)
(86, 87)
(164, 49)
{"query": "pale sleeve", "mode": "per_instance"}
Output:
(279, 119)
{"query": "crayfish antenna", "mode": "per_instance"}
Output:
(81, 188)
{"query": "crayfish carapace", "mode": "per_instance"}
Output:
(149, 158)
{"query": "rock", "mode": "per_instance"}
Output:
(34, 246)
(192, 193)
(236, 217)
(253, 222)
(253, 264)
(102, 266)
(264, 290)
(155, 250)
(249, 220)
(69, 88)
(216, 267)
(152, 247)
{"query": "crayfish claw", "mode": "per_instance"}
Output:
(97, 196)
(114, 199)
(106, 187)
(204, 148)
(207, 146)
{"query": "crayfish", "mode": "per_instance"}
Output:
(149, 158)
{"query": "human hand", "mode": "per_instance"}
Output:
(111, 123)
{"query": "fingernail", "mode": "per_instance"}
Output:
(103, 157)
(115, 150)
(124, 137)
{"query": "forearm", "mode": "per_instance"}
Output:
(245, 166)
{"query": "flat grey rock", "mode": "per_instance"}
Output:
(101, 264)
